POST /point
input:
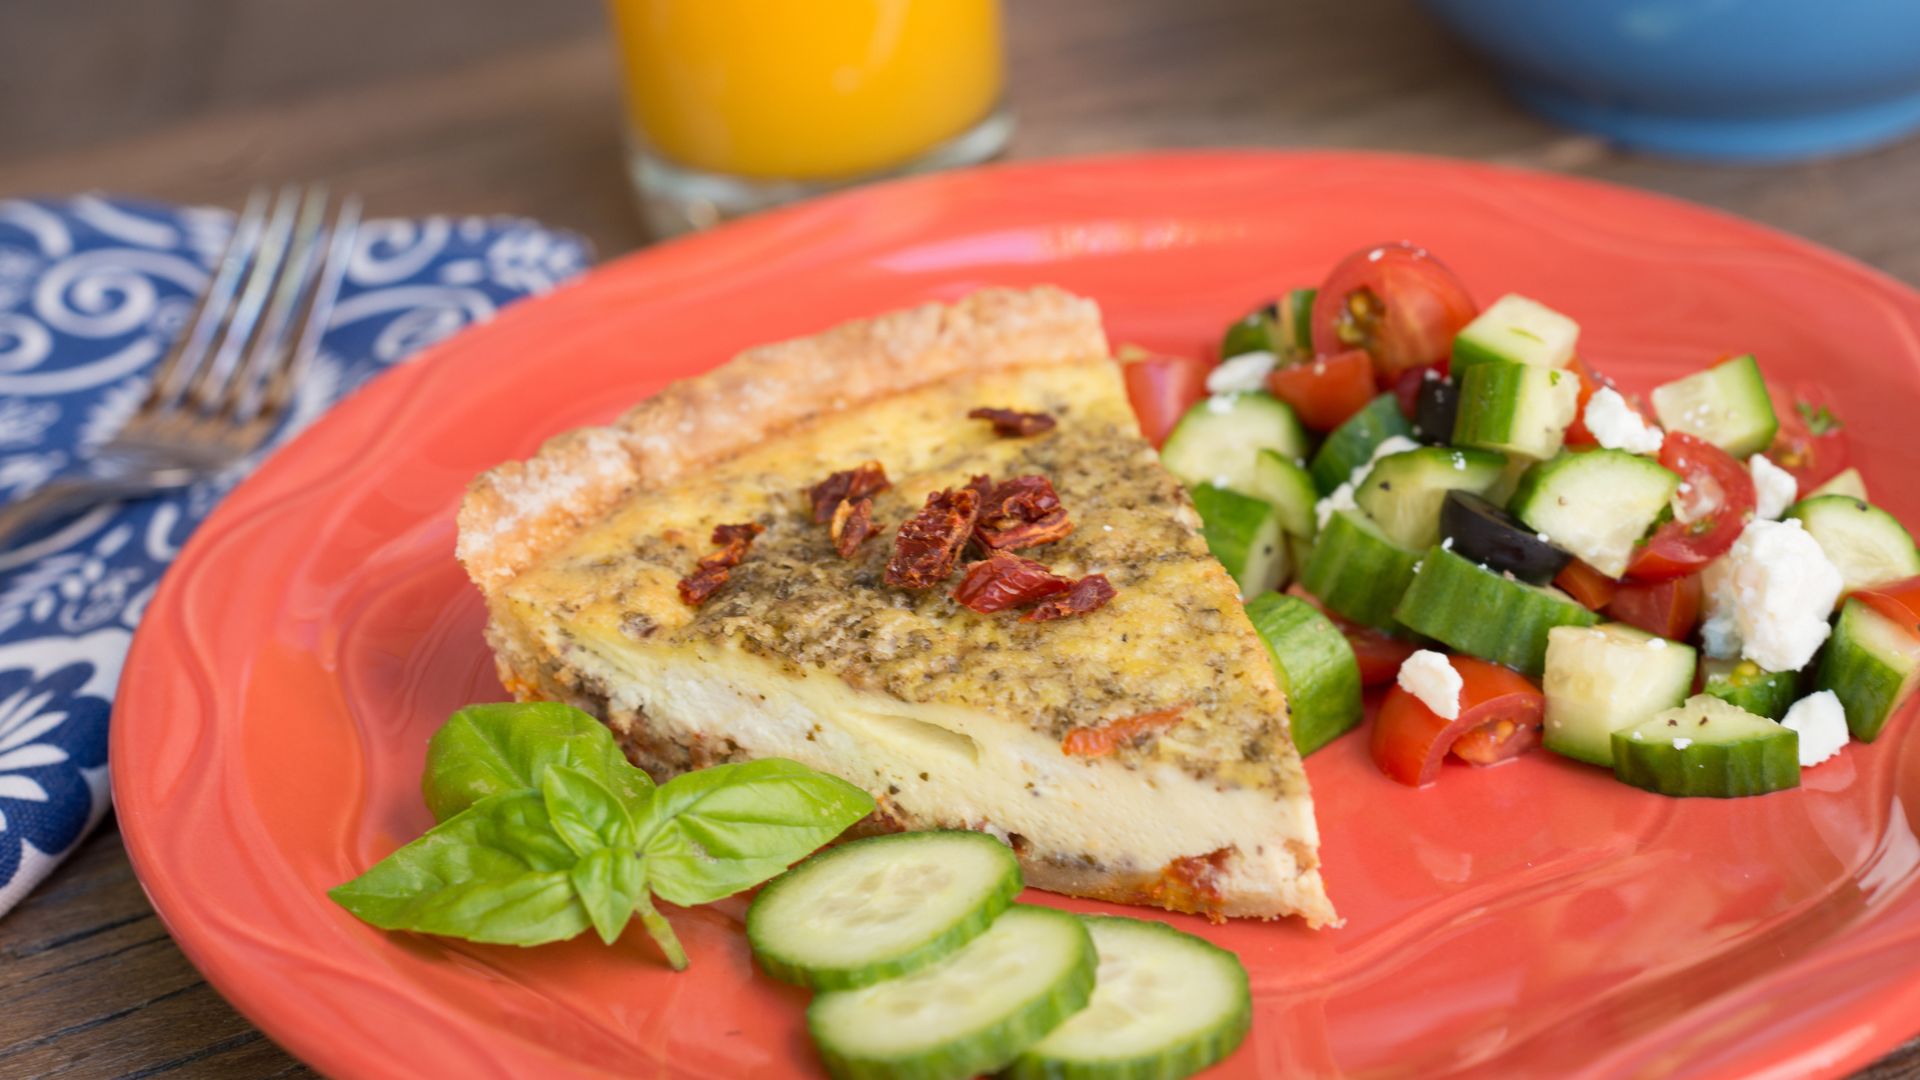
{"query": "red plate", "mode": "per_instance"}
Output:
(1537, 917)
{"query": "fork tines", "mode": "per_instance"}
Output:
(260, 322)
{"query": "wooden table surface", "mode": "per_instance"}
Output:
(484, 106)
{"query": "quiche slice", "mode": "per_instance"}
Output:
(1135, 752)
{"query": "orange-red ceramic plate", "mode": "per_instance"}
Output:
(1533, 918)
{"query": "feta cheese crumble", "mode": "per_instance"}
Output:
(1682, 743)
(1428, 676)
(1767, 600)
(1617, 427)
(1822, 723)
(1248, 371)
(1774, 488)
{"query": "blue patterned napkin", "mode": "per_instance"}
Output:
(92, 293)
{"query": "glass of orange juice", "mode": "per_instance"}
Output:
(735, 105)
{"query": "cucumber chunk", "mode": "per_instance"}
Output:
(1315, 666)
(1871, 663)
(1404, 491)
(1357, 571)
(1478, 612)
(1596, 504)
(1516, 330)
(1256, 331)
(878, 908)
(1282, 482)
(1166, 1005)
(1707, 747)
(1515, 408)
(1600, 679)
(1244, 534)
(1727, 405)
(1847, 481)
(1350, 445)
(1296, 319)
(1217, 439)
(1865, 543)
(1751, 687)
(973, 1012)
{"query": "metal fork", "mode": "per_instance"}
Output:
(231, 378)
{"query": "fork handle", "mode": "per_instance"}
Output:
(61, 498)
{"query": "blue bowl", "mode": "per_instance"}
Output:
(1746, 80)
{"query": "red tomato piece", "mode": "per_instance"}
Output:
(1589, 586)
(1378, 653)
(1162, 389)
(1897, 600)
(1326, 390)
(1811, 444)
(1395, 301)
(1499, 709)
(1406, 388)
(1590, 381)
(1668, 609)
(1717, 491)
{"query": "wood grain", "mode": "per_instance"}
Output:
(502, 106)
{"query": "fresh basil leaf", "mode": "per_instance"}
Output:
(496, 872)
(485, 750)
(584, 813)
(610, 883)
(720, 830)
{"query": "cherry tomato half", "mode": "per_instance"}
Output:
(1500, 714)
(1668, 609)
(1406, 386)
(1589, 586)
(1378, 653)
(1718, 493)
(1811, 444)
(1396, 302)
(1897, 600)
(1162, 389)
(1326, 390)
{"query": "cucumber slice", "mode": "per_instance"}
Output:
(1256, 331)
(1356, 571)
(1747, 685)
(1244, 534)
(1709, 748)
(878, 908)
(1600, 679)
(1315, 666)
(1514, 408)
(1519, 331)
(1350, 445)
(1217, 439)
(973, 1012)
(1167, 1005)
(1847, 481)
(1296, 319)
(1596, 504)
(1282, 482)
(1727, 405)
(1865, 543)
(1403, 492)
(1871, 663)
(1493, 616)
(1299, 554)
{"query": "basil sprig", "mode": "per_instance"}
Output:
(546, 831)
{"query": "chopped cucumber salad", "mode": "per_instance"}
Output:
(1691, 587)
(924, 968)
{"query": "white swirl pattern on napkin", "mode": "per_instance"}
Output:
(92, 293)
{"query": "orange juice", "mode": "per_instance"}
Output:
(806, 89)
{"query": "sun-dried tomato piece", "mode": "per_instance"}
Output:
(1001, 581)
(1090, 593)
(855, 483)
(982, 486)
(1107, 736)
(929, 543)
(852, 524)
(1014, 424)
(1021, 512)
(1193, 883)
(714, 568)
